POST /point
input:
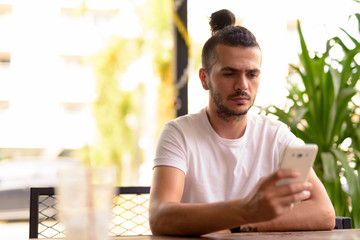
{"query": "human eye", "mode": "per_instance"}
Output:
(228, 74)
(253, 74)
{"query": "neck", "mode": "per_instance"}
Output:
(229, 127)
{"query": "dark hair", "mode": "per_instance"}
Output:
(225, 32)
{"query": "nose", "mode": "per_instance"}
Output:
(241, 83)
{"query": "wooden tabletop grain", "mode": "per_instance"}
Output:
(348, 234)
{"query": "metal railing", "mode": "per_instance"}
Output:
(130, 213)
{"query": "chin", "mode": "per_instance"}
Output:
(243, 111)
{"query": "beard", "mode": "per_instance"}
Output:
(224, 112)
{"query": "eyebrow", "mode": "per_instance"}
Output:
(255, 70)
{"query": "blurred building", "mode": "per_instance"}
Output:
(47, 81)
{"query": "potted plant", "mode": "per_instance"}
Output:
(322, 109)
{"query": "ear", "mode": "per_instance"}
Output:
(203, 78)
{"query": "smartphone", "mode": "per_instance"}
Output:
(300, 158)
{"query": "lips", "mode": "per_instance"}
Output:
(240, 100)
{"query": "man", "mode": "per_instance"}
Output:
(217, 169)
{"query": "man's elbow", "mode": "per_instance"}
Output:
(156, 226)
(327, 219)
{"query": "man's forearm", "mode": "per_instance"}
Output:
(303, 216)
(265, 202)
(194, 219)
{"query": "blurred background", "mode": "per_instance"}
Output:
(94, 81)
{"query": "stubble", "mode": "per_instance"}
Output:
(224, 112)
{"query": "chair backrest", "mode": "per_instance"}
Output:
(343, 222)
(130, 213)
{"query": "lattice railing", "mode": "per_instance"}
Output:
(130, 216)
(49, 226)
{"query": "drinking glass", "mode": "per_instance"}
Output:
(85, 201)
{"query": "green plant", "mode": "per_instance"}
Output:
(322, 109)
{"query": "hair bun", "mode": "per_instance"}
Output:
(221, 19)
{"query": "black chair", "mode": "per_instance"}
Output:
(343, 223)
(130, 213)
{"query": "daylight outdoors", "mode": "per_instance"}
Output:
(93, 82)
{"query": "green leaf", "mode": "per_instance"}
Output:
(339, 113)
(331, 172)
(357, 15)
(353, 185)
(306, 61)
(351, 38)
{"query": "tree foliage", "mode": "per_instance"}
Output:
(119, 112)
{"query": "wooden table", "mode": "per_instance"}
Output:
(353, 234)
(348, 234)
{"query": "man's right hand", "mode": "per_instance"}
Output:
(268, 201)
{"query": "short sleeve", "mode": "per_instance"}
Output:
(171, 149)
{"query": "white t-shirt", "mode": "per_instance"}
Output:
(219, 169)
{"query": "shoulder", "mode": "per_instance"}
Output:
(262, 120)
(272, 128)
(189, 121)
